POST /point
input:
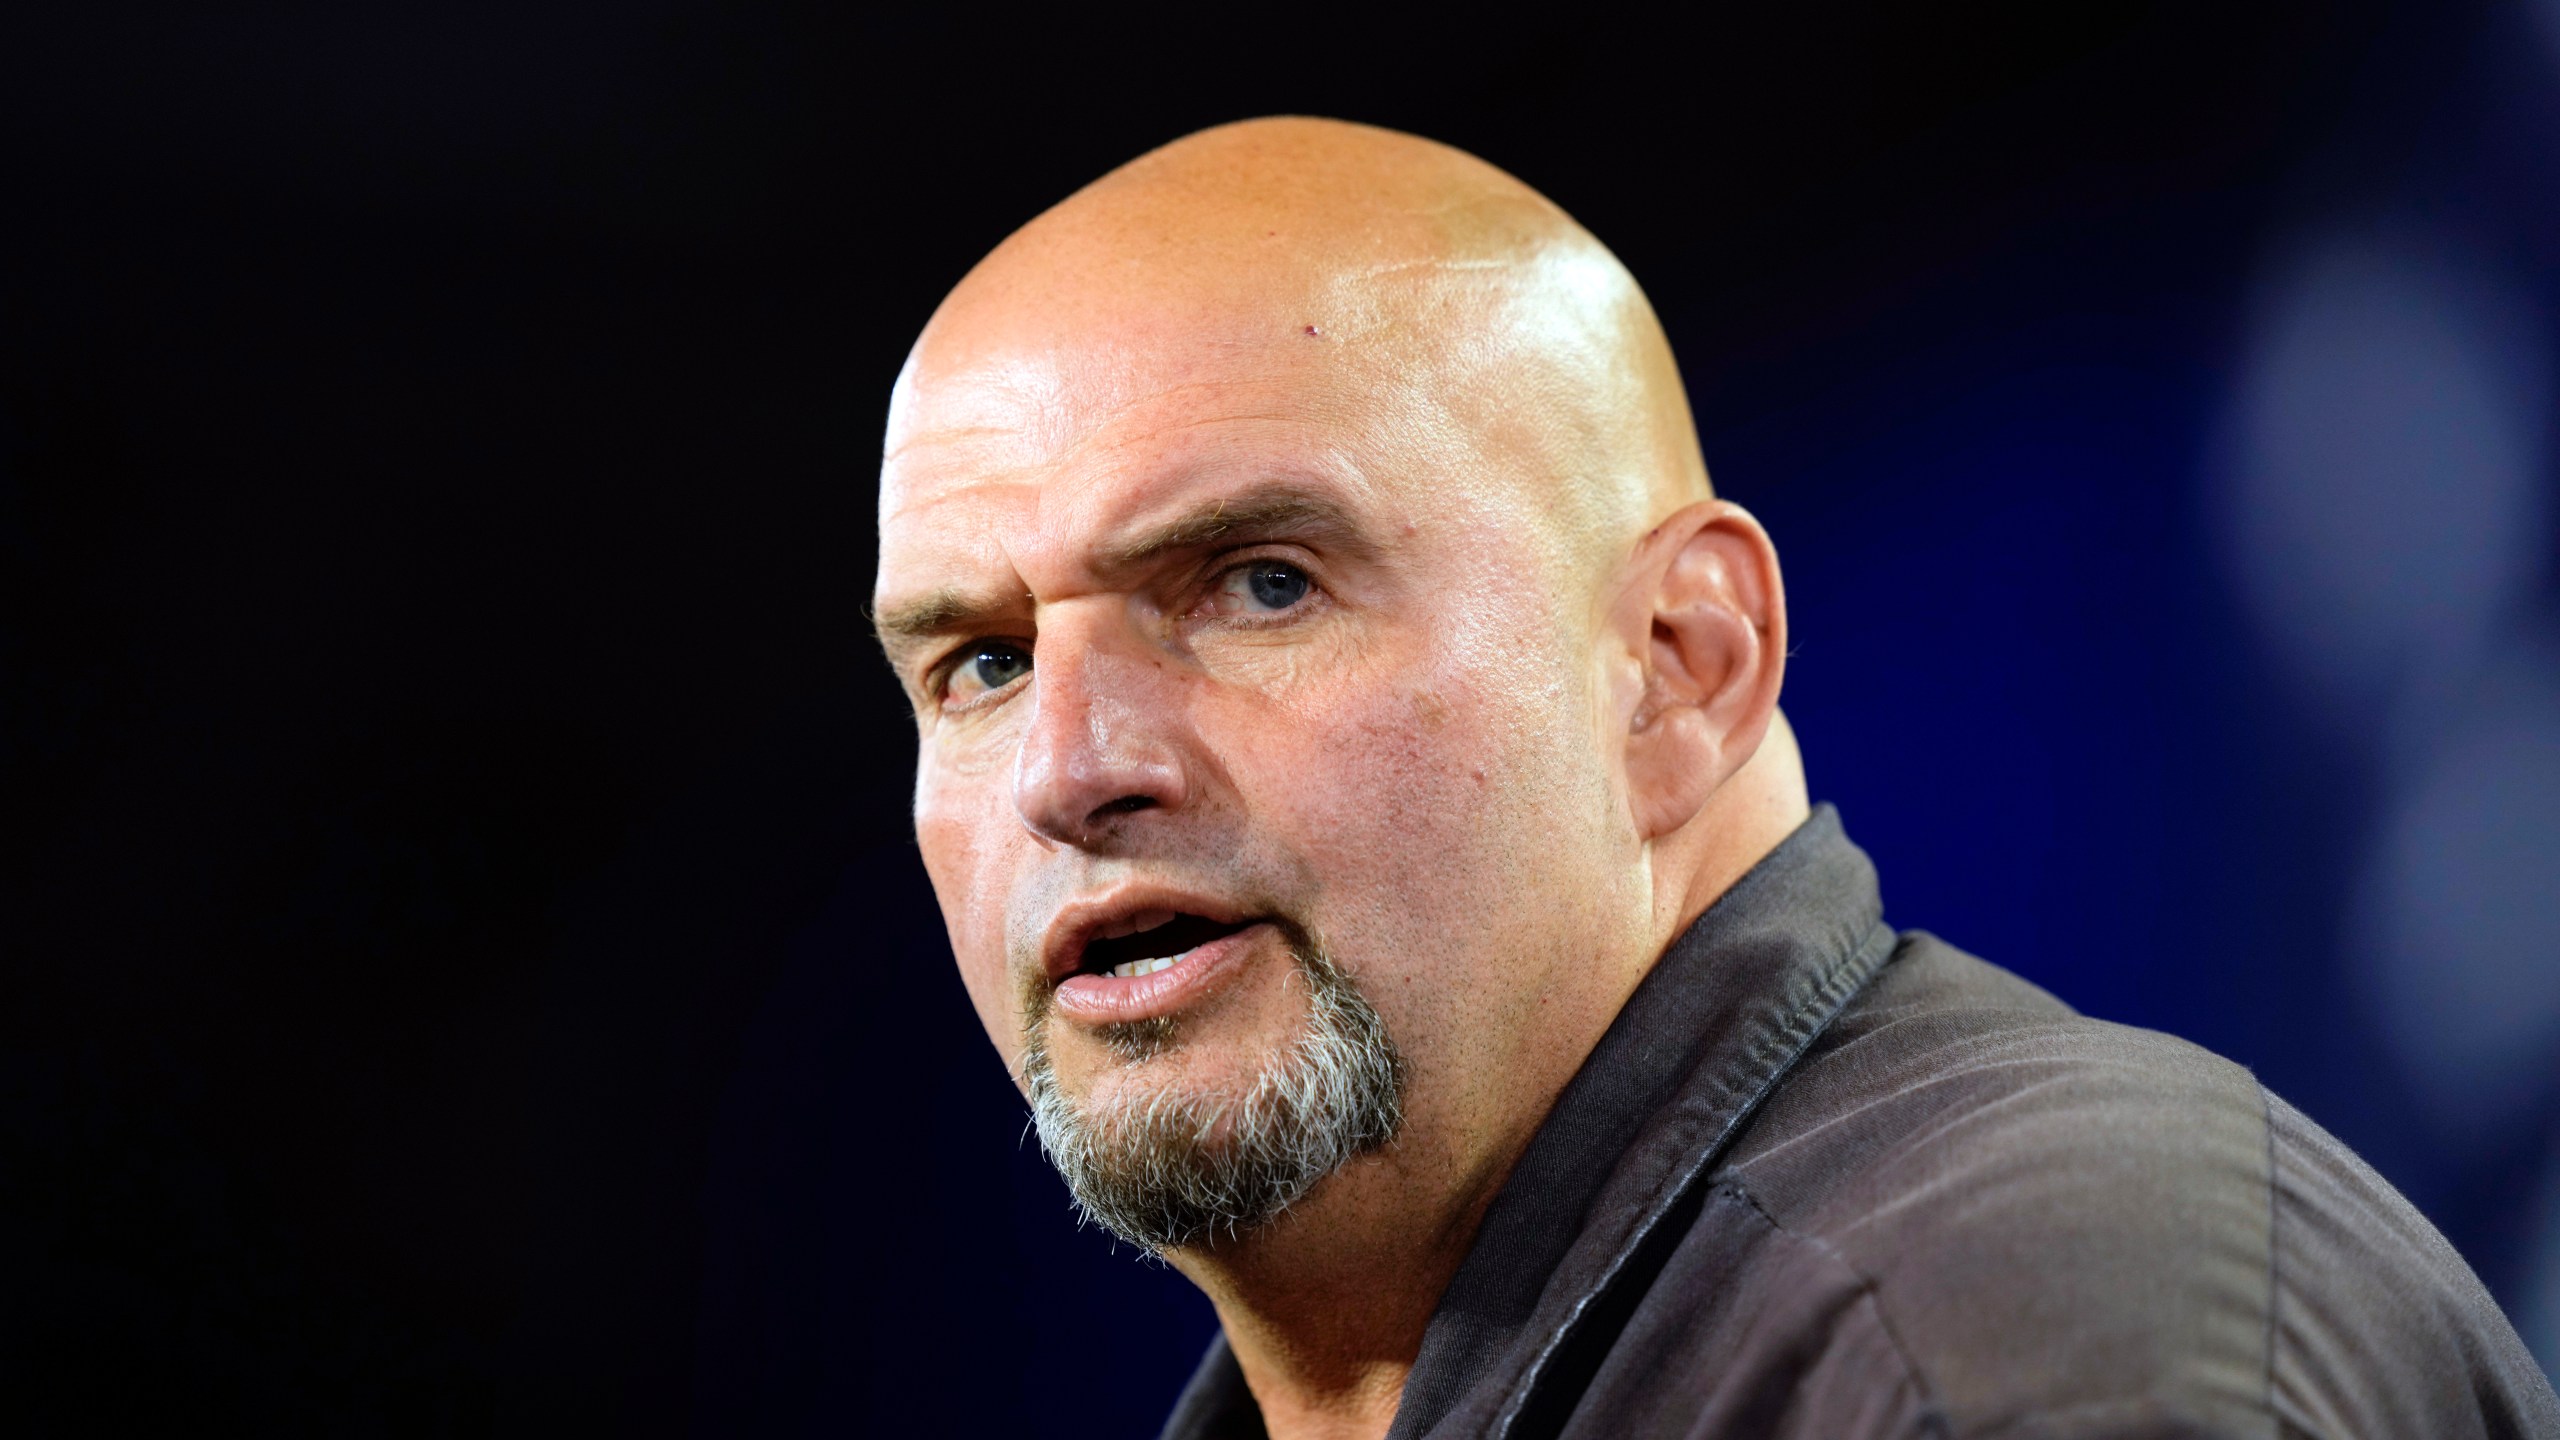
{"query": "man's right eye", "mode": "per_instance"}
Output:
(986, 666)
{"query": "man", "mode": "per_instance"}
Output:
(1350, 767)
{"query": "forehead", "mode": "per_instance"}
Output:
(1001, 450)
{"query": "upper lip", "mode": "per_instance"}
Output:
(1081, 921)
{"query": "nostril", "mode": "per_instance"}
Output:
(1125, 805)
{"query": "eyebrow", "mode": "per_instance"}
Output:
(1275, 512)
(909, 623)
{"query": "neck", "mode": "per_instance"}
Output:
(1750, 814)
(1325, 1307)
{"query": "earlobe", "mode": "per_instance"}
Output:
(1714, 652)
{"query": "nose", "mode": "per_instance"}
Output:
(1100, 747)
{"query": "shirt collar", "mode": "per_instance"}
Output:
(1706, 1036)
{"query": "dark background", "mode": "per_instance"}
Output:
(464, 968)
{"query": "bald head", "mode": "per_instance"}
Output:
(1411, 274)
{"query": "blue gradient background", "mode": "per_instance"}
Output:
(472, 976)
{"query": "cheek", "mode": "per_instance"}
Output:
(1456, 818)
(1439, 794)
(963, 855)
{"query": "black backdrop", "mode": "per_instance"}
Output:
(466, 969)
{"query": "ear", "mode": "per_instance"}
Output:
(1705, 618)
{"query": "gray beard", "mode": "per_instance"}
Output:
(1174, 1170)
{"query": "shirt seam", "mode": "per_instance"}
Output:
(1933, 1418)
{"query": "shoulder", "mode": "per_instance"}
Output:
(2050, 1211)
(2058, 1216)
(2378, 1325)
(1951, 1073)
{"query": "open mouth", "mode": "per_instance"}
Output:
(1157, 947)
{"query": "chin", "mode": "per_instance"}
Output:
(1111, 1072)
(1173, 1133)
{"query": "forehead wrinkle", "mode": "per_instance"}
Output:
(948, 435)
(1057, 429)
(1061, 440)
(1130, 417)
(921, 494)
(1100, 434)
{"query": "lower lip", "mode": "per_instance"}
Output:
(1121, 999)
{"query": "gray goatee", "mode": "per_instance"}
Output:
(1171, 1169)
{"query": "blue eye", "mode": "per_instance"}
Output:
(1275, 585)
(1000, 665)
(990, 665)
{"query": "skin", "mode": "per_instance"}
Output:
(1520, 731)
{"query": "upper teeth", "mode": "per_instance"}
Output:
(1136, 968)
(1132, 924)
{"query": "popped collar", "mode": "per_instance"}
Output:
(1707, 1034)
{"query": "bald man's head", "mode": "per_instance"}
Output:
(1334, 681)
(1405, 266)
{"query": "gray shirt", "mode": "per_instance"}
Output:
(1821, 1180)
